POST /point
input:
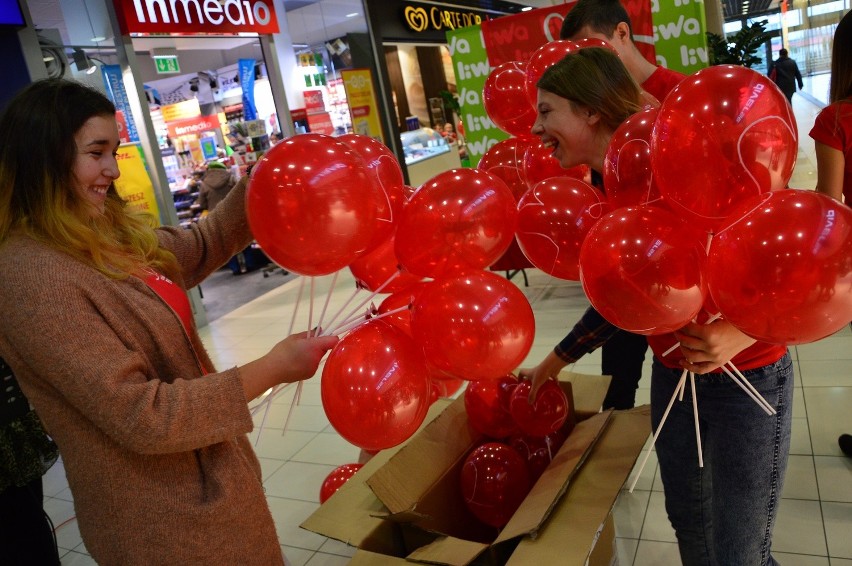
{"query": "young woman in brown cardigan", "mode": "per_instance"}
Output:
(97, 328)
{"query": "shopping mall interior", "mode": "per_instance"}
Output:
(253, 306)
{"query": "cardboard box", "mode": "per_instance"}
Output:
(405, 505)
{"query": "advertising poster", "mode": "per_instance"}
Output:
(680, 35)
(246, 69)
(134, 185)
(470, 62)
(114, 85)
(362, 102)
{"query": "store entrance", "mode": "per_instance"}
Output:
(210, 133)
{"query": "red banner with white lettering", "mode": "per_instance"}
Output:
(517, 37)
(196, 16)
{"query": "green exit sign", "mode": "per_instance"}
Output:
(168, 64)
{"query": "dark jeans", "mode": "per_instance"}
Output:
(723, 513)
(26, 535)
(622, 357)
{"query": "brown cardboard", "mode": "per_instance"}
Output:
(563, 537)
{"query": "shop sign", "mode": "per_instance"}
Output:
(362, 102)
(192, 126)
(134, 185)
(196, 16)
(314, 100)
(181, 110)
(422, 17)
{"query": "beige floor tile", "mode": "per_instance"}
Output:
(288, 515)
(826, 373)
(829, 416)
(297, 480)
(625, 549)
(323, 559)
(800, 559)
(800, 437)
(657, 526)
(656, 553)
(838, 526)
(799, 528)
(296, 556)
(328, 448)
(801, 481)
(629, 513)
(834, 474)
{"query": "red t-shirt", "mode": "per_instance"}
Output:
(833, 127)
(757, 355)
(175, 298)
(661, 82)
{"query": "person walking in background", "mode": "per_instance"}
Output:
(723, 513)
(216, 183)
(832, 134)
(99, 332)
(623, 353)
(785, 72)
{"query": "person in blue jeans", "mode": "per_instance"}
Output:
(724, 512)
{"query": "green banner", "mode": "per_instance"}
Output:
(679, 34)
(470, 62)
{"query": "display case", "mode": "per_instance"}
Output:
(427, 153)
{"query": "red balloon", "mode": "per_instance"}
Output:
(401, 298)
(311, 204)
(487, 404)
(595, 42)
(543, 416)
(723, 135)
(553, 220)
(445, 387)
(627, 176)
(460, 128)
(642, 269)
(474, 326)
(375, 386)
(540, 165)
(335, 480)
(384, 167)
(494, 483)
(505, 160)
(505, 99)
(374, 269)
(542, 58)
(538, 451)
(459, 219)
(780, 269)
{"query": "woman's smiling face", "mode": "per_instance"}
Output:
(95, 167)
(564, 128)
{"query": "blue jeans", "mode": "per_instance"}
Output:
(723, 513)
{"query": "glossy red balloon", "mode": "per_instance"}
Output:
(403, 297)
(505, 99)
(505, 160)
(335, 480)
(780, 269)
(542, 58)
(494, 483)
(723, 135)
(445, 387)
(486, 402)
(553, 220)
(543, 416)
(627, 175)
(642, 269)
(474, 326)
(312, 204)
(459, 219)
(540, 165)
(375, 269)
(594, 42)
(384, 168)
(375, 386)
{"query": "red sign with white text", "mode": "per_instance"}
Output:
(192, 125)
(517, 37)
(196, 16)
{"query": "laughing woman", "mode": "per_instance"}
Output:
(97, 327)
(722, 513)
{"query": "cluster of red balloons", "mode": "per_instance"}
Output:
(670, 236)
(521, 439)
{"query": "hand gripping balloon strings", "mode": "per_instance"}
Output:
(680, 385)
(378, 290)
(297, 396)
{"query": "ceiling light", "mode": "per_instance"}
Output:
(98, 38)
(352, 15)
(526, 8)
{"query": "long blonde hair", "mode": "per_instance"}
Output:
(36, 184)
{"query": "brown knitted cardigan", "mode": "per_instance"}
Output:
(156, 454)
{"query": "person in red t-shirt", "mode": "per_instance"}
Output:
(723, 512)
(622, 353)
(832, 133)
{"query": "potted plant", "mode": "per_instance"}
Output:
(738, 48)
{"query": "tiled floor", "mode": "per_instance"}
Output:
(815, 518)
